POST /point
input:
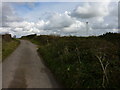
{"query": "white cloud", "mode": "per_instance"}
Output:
(65, 25)
(8, 14)
(75, 27)
(23, 28)
(96, 11)
(58, 21)
(4, 30)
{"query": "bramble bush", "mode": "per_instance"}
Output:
(82, 62)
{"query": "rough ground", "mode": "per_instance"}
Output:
(24, 69)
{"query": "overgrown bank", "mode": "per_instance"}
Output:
(8, 45)
(79, 62)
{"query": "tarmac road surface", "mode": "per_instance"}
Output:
(24, 69)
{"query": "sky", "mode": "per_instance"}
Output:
(59, 18)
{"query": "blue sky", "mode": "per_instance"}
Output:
(38, 10)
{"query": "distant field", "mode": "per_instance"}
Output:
(8, 47)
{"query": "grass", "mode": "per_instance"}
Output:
(75, 61)
(75, 65)
(9, 47)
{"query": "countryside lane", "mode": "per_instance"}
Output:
(24, 69)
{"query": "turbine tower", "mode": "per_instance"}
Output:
(87, 28)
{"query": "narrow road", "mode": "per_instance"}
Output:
(24, 69)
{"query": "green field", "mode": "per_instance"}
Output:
(82, 62)
(8, 47)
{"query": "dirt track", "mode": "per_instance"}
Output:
(24, 69)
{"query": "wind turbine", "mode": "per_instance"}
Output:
(87, 28)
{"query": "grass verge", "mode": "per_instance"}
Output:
(9, 47)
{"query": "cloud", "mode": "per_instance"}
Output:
(0, 14)
(102, 16)
(110, 21)
(94, 10)
(65, 24)
(4, 30)
(8, 14)
(23, 28)
(75, 27)
(58, 21)
(57, 24)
